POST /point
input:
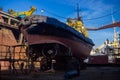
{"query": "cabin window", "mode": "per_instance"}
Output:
(13, 22)
(5, 19)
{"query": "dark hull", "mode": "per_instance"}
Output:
(78, 49)
(59, 33)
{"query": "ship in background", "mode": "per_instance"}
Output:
(108, 52)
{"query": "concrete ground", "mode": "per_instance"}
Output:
(91, 73)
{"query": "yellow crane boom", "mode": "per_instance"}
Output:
(22, 14)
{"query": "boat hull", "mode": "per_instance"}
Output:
(45, 30)
(78, 49)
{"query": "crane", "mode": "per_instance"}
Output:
(116, 24)
(22, 14)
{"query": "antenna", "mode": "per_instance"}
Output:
(78, 13)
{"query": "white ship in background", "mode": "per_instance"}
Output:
(111, 49)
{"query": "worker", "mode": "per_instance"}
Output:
(22, 67)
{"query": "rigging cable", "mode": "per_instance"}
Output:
(104, 15)
(114, 12)
(53, 14)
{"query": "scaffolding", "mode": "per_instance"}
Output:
(11, 57)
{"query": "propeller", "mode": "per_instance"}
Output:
(49, 51)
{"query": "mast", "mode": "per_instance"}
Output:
(78, 13)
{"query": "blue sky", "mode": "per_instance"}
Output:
(90, 9)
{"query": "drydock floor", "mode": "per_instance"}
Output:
(91, 73)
